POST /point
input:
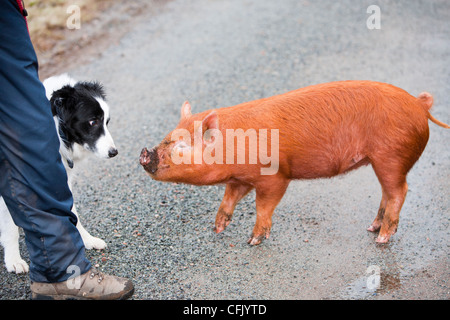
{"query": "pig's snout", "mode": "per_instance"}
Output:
(144, 159)
(149, 160)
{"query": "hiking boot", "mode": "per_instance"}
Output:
(92, 285)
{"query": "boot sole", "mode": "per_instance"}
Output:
(37, 296)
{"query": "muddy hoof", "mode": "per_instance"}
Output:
(383, 239)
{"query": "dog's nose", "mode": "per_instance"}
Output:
(112, 152)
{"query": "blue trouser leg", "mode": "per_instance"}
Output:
(33, 181)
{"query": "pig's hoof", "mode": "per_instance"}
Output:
(223, 219)
(220, 226)
(373, 228)
(218, 229)
(383, 239)
(254, 241)
(257, 237)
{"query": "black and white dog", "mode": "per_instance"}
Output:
(81, 117)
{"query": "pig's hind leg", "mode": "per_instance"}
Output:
(234, 192)
(392, 213)
(376, 224)
(395, 188)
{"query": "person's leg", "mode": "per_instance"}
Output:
(33, 180)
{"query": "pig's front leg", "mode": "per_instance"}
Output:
(234, 192)
(268, 195)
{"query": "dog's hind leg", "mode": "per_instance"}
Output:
(9, 238)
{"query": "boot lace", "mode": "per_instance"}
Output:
(95, 272)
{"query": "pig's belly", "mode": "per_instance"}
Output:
(324, 165)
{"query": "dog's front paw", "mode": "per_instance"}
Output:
(94, 243)
(17, 266)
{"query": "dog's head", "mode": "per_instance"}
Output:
(83, 117)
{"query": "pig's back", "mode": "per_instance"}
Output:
(331, 128)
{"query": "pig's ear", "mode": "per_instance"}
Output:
(211, 121)
(186, 110)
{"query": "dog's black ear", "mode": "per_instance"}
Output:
(94, 87)
(60, 98)
(61, 102)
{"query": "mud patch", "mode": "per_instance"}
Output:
(375, 282)
(399, 282)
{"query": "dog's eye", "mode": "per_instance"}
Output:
(93, 123)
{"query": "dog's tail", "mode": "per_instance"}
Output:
(426, 100)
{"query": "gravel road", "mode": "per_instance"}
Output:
(221, 53)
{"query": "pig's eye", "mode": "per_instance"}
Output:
(181, 146)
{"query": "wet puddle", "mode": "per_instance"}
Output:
(374, 282)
